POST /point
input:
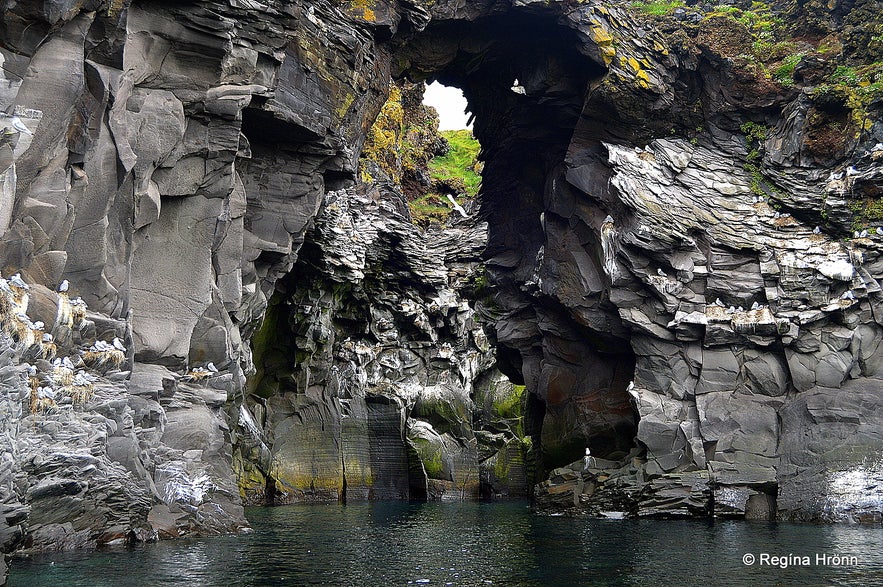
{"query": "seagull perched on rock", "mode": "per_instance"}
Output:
(661, 273)
(631, 390)
(19, 126)
(211, 367)
(835, 176)
(863, 234)
(880, 230)
(718, 303)
(118, 345)
(18, 282)
(755, 306)
(64, 285)
(518, 88)
(848, 295)
(47, 337)
(816, 230)
(32, 371)
(38, 325)
(850, 171)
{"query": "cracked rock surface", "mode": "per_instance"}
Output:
(716, 340)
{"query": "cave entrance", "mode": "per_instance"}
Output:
(525, 76)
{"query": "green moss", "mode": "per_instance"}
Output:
(658, 8)
(856, 88)
(754, 132)
(460, 162)
(429, 209)
(784, 73)
(431, 457)
(866, 211)
(501, 464)
(385, 137)
(510, 406)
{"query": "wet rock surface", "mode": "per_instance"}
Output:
(375, 376)
(168, 160)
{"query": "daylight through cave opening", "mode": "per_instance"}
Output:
(451, 361)
(526, 82)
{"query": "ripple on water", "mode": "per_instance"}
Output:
(469, 544)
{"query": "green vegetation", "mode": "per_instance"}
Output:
(384, 141)
(510, 406)
(428, 209)
(784, 73)
(754, 133)
(853, 88)
(460, 162)
(865, 211)
(455, 172)
(658, 8)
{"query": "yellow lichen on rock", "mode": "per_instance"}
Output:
(604, 40)
(363, 9)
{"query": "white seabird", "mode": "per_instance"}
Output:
(863, 234)
(880, 230)
(661, 273)
(850, 171)
(47, 337)
(848, 295)
(18, 282)
(19, 126)
(816, 230)
(211, 367)
(718, 303)
(631, 391)
(457, 206)
(64, 285)
(755, 306)
(518, 88)
(118, 345)
(38, 325)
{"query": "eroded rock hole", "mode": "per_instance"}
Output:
(465, 359)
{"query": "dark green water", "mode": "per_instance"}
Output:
(469, 544)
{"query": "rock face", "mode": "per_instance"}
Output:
(375, 378)
(167, 159)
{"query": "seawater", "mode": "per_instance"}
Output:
(474, 544)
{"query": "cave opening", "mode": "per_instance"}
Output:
(525, 78)
(345, 325)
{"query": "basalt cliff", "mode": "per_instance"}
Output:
(207, 301)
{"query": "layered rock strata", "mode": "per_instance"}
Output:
(375, 378)
(167, 159)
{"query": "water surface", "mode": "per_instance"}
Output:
(471, 544)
